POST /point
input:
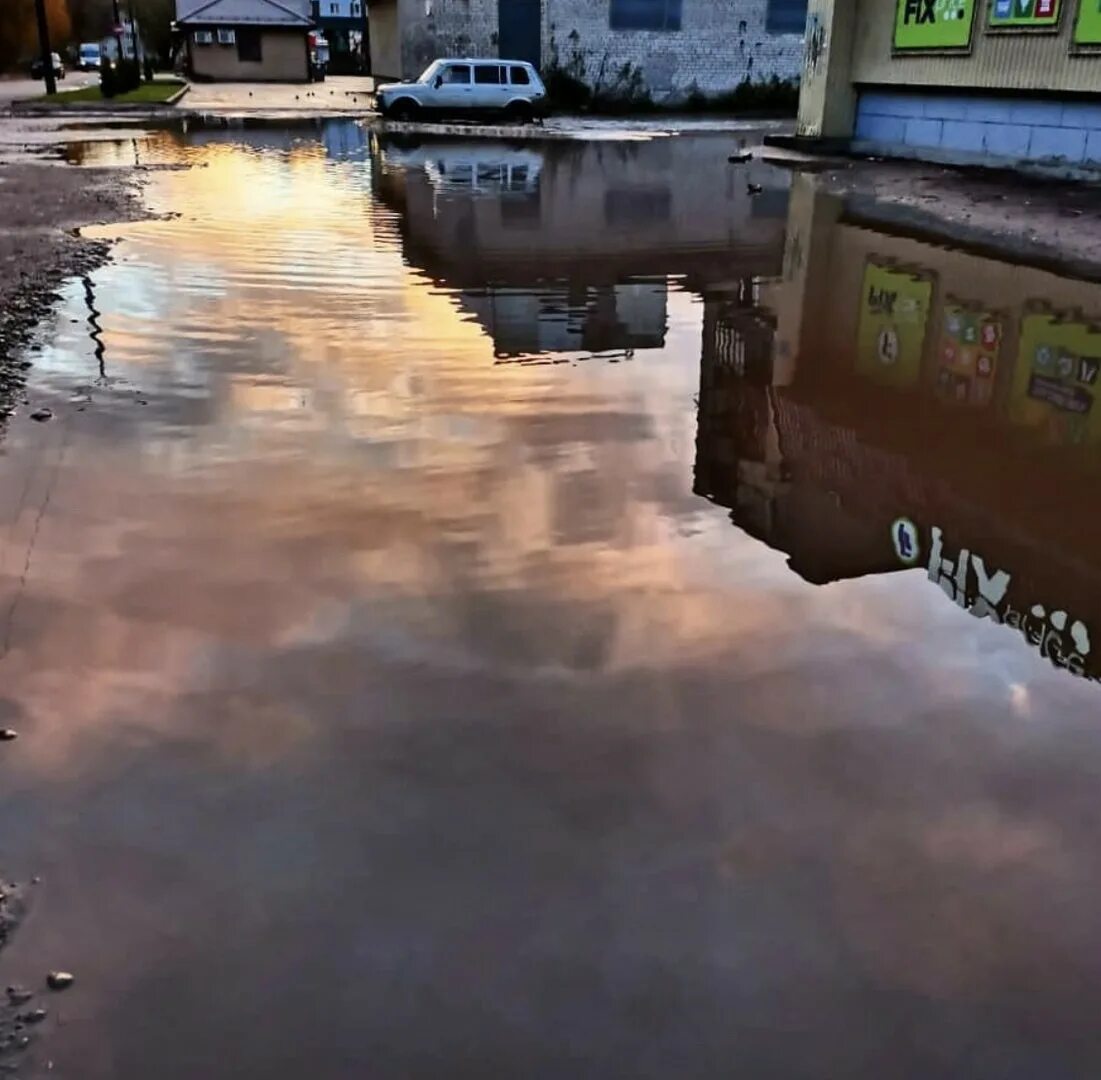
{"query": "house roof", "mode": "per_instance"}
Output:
(236, 12)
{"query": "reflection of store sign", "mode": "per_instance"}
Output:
(934, 24)
(970, 347)
(907, 541)
(1056, 378)
(1024, 14)
(894, 314)
(1087, 31)
(985, 592)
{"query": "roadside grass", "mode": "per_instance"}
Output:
(154, 93)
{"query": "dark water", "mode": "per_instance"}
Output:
(471, 616)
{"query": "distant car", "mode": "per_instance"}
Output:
(468, 90)
(38, 68)
(89, 56)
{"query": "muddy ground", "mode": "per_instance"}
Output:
(41, 208)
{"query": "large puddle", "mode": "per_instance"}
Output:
(546, 611)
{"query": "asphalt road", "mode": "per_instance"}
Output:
(14, 89)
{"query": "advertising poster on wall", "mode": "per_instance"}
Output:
(1056, 383)
(894, 315)
(934, 24)
(968, 354)
(1087, 30)
(1024, 14)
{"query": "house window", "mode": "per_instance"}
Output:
(646, 14)
(357, 9)
(248, 46)
(334, 9)
(786, 16)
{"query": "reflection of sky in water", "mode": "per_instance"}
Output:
(385, 705)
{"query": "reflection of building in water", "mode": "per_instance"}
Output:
(916, 407)
(560, 318)
(567, 247)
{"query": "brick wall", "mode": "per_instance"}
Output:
(720, 43)
(435, 28)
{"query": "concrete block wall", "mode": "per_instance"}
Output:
(435, 28)
(720, 43)
(981, 128)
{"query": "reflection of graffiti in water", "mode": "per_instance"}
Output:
(986, 593)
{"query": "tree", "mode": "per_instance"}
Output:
(91, 19)
(19, 32)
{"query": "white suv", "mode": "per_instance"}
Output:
(467, 89)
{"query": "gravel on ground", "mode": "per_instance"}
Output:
(1036, 220)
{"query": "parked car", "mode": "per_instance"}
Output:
(89, 56)
(467, 89)
(38, 68)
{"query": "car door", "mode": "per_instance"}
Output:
(454, 89)
(490, 87)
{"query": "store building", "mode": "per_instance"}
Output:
(992, 82)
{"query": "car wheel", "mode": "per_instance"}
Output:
(404, 111)
(519, 113)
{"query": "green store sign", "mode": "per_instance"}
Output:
(1087, 31)
(936, 24)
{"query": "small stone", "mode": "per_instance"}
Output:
(42, 415)
(7, 735)
(34, 1016)
(59, 980)
(19, 995)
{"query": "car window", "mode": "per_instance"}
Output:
(430, 72)
(487, 75)
(520, 76)
(456, 73)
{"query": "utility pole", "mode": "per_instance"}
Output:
(118, 30)
(44, 46)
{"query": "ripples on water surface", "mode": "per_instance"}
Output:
(471, 616)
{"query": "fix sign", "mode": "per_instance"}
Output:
(934, 24)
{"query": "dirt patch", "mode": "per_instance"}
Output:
(41, 208)
(1045, 220)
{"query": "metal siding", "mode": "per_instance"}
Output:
(1029, 61)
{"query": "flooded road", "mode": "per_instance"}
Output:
(471, 615)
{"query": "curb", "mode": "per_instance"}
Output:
(31, 107)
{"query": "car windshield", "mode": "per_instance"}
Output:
(430, 72)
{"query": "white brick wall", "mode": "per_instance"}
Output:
(436, 28)
(720, 43)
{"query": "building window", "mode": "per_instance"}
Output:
(646, 14)
(248, 46)
(357, 9)
(786, 16)
(334, 9)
